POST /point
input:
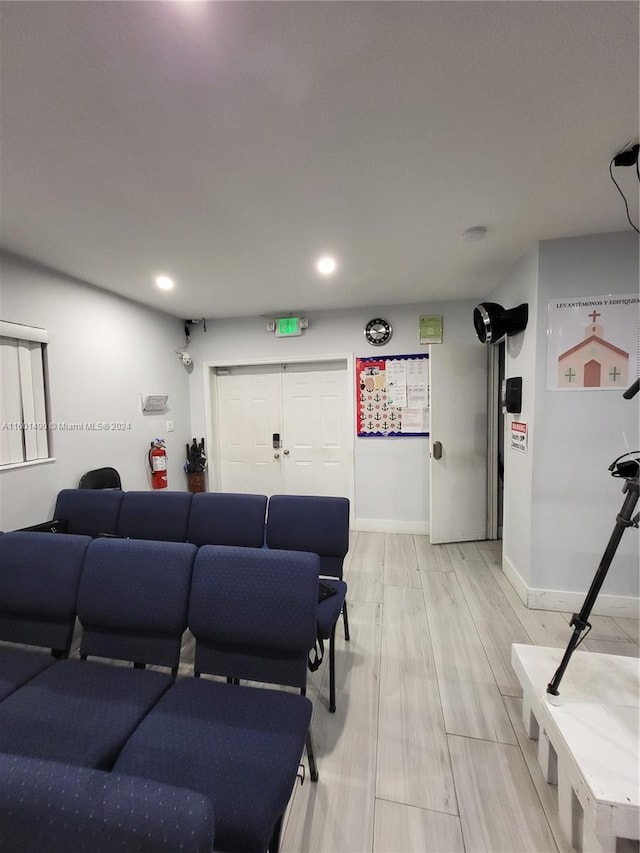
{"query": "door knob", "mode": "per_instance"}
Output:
(276, 456)
(286, 453)
(437, 450)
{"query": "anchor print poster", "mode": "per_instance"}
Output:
(593, 343)
(392, 395)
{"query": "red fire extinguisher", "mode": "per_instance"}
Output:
(158, 464)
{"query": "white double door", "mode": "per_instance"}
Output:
(284, 429)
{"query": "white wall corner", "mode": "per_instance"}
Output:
(515, 579)
(566, 601)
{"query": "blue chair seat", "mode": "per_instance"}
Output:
(327, 618)
(17, 666)
(329, 608)
(56, 808)
(238, 746)
(78, 712)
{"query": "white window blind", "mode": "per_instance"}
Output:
(23, 415)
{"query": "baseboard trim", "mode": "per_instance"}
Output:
(571, 602)
(567, 601)
(515, 579)
(390, 525)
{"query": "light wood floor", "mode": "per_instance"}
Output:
(426, 752)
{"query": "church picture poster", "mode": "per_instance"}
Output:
(592, 343)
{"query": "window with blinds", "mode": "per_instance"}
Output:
(24, 434)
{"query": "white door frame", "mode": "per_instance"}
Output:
(210, 387)
(493, 401)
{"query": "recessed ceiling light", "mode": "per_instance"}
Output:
(472, 235)
(164, 282)
(326, 265)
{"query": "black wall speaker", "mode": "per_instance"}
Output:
(492, 322)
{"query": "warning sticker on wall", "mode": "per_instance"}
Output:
(519, 436)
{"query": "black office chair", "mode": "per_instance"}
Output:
(100, 478)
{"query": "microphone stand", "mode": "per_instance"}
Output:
(580, 621)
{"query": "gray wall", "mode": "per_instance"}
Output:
(103, 352)
(560, 501)
(575, 500)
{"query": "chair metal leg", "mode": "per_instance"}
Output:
(345, 619)
(332, 671)
(313, 770)
(274, 841)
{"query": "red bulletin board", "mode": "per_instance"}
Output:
(392, 396)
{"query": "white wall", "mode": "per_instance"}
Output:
(575, 500)
(103, 352)
(391, 474)
(560, 503)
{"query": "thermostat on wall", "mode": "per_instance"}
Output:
(154, 402)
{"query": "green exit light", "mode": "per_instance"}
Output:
(288, 326)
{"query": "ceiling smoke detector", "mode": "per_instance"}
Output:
(475, 234)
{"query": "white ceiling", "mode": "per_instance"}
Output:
(228, 144)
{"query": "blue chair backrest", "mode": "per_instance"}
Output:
(39, 578)
(222, 518)
(309, 523)
(88, 512)
(253, 613)
(157, 515)
(133, 599)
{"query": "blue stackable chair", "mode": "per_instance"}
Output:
(319, 525)
(224, 518)
(253, 615)
(81, 712)
(159, 515)
(89, 512)
(83, 512)
(133, 600)
(39, 582)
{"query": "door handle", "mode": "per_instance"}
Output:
(286, 453)
(276, 456)
(437, 450)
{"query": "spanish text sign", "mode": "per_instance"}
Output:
(592, 343)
